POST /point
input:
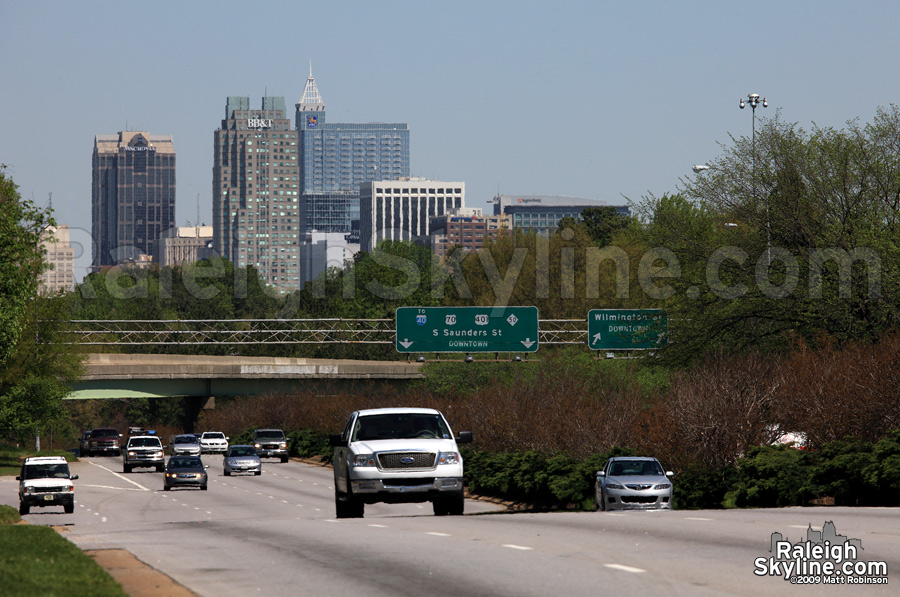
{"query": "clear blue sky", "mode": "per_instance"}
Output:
(597, 99)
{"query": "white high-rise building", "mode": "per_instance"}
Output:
(322, 250)
(400, 209)
(61, 257)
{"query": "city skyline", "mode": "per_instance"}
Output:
(600, 100)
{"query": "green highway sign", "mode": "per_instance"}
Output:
(467, 329)
(627, 329)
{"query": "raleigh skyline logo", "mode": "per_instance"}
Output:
(824, 558)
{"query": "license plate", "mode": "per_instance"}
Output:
(48, 498)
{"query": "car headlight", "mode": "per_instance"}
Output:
(663, 486)
(256, 446)
(282, 445)
(130, 453)
(364, 460)
(614, 486)
(448, 458)
(29, 490)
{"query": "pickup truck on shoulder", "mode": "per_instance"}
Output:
(398, 455)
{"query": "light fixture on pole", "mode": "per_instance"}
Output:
(698, 168)
(753, 100)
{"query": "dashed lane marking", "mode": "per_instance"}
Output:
(625, 568)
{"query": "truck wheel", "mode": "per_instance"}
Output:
(227, 472)
(284, 459)
(348, 506)
(24, 508)
(439, 505)
(456, 505)
(69, 507)
(126, 468)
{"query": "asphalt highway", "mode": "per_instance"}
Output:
(276, 534)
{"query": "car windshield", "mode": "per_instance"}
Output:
(644, 468)
(186, 439)
(104, 433)
(213, 435)
(242, 451)
(47, 471)
(269, 435)
(185, 463)
(400, 426)
(144, 442)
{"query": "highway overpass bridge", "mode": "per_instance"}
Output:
(168, 376)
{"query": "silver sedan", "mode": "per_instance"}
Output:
(185, 445)
(242, 459)
(633, 483)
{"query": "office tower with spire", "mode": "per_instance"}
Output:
(255, 190)
(132, 195)
(336, 157)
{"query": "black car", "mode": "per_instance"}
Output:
(185, 471)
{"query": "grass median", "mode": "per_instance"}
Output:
(36, 560)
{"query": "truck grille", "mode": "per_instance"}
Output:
(406, 460)
(50, 489)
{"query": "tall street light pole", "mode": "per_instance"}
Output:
(753, 100)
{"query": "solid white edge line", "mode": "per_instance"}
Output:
(438, 534)
(625, 568)
(519, 547)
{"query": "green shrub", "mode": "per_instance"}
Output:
(543, 483)
(307, 443)
(702, 487)
(840, 472)
(771, 477)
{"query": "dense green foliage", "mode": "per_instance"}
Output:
(36, 364)
(795, 235)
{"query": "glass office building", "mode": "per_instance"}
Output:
(132, 195)
(256, 191)
(336, 157)
(542, 213)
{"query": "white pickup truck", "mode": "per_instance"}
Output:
(398, 455)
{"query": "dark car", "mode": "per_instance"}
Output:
(104, 440)
(185, 471)
(84, 443)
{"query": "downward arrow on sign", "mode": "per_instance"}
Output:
(527, 342)
(405, 343)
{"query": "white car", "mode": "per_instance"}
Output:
(213, 442)
(398, 455)
(46, 481)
